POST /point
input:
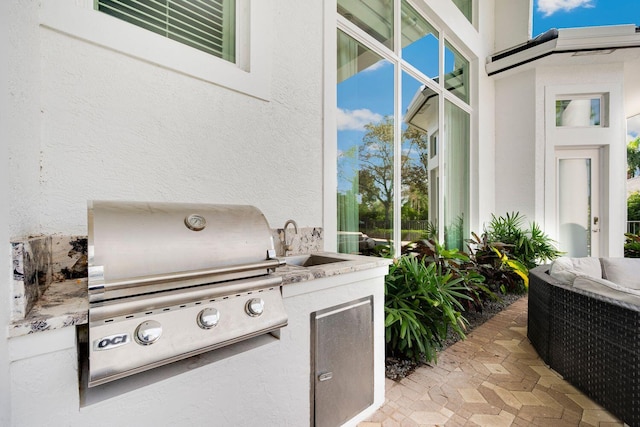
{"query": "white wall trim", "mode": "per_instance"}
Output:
(330, 131)
(252, 76)
(610, 141)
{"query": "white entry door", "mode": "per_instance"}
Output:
(578, 201)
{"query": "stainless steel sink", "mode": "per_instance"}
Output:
(311, 260)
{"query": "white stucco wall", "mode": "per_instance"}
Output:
(80, 121)
(632, 87)
(483, 191)
(515, 119)
(513, 22)
(5, 269)
(88, 122)
(525, 143)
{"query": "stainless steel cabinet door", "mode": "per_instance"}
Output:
(342, 362)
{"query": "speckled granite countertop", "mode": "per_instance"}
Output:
(66, 303)
(63, 304)
(292, 273)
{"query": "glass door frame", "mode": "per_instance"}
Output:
(594, 248)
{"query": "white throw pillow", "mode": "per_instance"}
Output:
(565, 269)
(623, 271)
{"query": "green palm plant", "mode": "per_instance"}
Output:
(632, 245)
(459, 264)
(420, 307)
(530, 246)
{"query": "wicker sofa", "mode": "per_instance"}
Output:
(590, 334)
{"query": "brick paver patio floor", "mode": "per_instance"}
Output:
(493, 378)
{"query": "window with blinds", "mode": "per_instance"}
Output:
(207, 25)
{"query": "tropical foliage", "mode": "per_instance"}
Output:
(490, 260)
(632, 245)
(458, 264)
(529, 245)
(633, 158)
(421, 305)
(633, 207)
(429, 286)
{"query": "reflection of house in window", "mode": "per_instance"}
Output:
(456, 72)
(466, 7)
(423, 110)
(375, 17)
(581, 111)
(422, 113)
(353, 57)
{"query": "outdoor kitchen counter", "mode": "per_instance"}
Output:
(62, 304)
(66, 304)
(349, 264)
(271, 371)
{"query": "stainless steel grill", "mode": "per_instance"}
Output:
(168, 281)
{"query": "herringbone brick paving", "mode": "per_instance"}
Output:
(493, 378)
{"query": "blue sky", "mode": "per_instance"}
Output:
(583, 13)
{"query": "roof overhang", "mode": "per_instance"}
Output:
(576, 42)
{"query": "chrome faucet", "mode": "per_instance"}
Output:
(288, 247)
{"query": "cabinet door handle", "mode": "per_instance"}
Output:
(325, 377)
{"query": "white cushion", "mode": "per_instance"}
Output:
(607, 288)
(623, 271)
(565, 269)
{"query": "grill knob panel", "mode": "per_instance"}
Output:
(254, 307)
(148, 332)
(208, 318)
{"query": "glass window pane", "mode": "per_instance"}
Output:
(466, 7)
(582, 112)
(434, 198)
(419, 164)
(375, 17)
(456, 72)
(419, 42)
(574, 206)
(365, 147)
(456, 197)
(206, 26)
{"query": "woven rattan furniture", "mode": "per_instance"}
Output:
(591, 340)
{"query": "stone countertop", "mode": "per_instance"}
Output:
(66, 303)
(292, 273)
(63, 304)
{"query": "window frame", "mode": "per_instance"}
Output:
(251, 74)
(474, 13)
(439, 86)
(603, 98)
(209, 27)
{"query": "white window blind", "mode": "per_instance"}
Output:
(207, 25)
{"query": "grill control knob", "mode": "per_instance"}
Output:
(148, 332)
(208, 318)
(254, 307)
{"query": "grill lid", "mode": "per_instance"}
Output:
(141, 247)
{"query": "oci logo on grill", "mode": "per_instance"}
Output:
(112, 341)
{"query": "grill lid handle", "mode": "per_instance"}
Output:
(99, 289)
